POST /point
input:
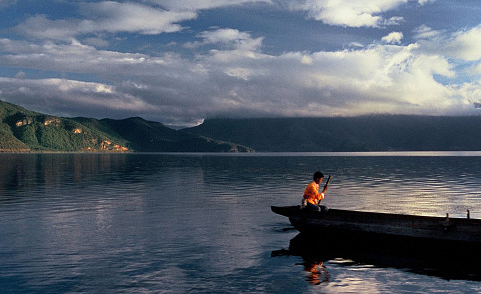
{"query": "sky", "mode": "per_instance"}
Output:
(179, 62)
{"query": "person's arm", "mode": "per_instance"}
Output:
(322, 194)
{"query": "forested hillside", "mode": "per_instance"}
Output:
(25, 130)
(22, 130)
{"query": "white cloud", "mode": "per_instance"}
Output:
(236, 78)
(107, 16)
(132, 17)
(229, 39)
(42, 28)
(69, 98)
(478, 69)
(464, 44)
(117, 17)
(425, 32)
(205, 4)
(20, 75)
(96, 42)
(393, 38)
(422, 2)
(376, 79)
(74, 57)
(468, 44)
(471, 92)
(356, 45)
(224, 36)
(360, 13)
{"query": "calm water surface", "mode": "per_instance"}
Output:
(201, 223)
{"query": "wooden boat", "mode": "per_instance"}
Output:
(356, 226)
(441, 246)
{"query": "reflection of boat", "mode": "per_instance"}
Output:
(321, 254)
(355, 226)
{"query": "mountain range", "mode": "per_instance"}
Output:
(22, 130)
(344, 134)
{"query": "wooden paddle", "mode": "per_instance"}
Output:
(327, 182)
(326, 185)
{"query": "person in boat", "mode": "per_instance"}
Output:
(312, 198)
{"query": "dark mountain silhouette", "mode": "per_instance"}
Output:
(363, 133)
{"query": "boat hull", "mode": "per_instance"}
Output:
(361, 226)
(444, 247)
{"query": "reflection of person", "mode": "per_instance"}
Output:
(312, 197)
(317, 273)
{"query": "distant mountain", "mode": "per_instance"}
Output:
(22, 130)
(364, 133)
(148, 136)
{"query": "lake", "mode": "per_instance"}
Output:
(201, 223)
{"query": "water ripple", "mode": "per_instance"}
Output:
(150, 223)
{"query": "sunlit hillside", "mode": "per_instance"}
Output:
(22, 130)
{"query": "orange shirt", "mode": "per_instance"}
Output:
(311, 193)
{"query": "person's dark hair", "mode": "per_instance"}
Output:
(317, 175)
